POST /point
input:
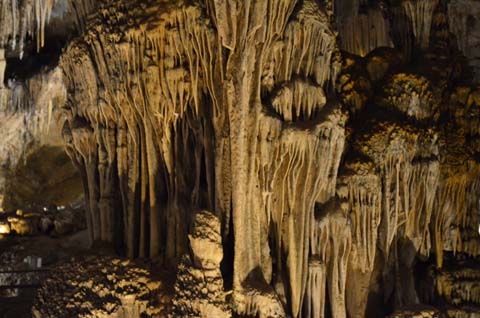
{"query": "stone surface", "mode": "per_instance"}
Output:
(199, 285)
(335, 144)
(99, 286)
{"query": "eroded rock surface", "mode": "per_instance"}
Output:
(99, 286)
(335, 144)
(199, 287)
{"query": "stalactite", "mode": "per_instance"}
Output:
(420, 13)
(315, 295)
(331, 243)
(227, 106)
(129, 112)
(289, 203)
(456, 219)
(361, 188)
(361, 33)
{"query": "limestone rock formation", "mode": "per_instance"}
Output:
(199, 286)
(335, 144)
(99, 286)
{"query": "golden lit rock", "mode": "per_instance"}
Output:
(262, 158)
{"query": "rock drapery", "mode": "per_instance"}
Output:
(335, 143)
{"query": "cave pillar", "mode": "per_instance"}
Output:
(3, 65)
(315, 293)
(331, 244)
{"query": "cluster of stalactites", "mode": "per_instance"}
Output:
(30, 18)
(133, 128)
(34, 100)
(331, 243)
(306, 49)
(456, 223)
(24, 18)
(27, 117)
(363, 193)
(362, 32)
(389, 194)
(363, 27)
(297, 169)
(410, 188)
(458, 287)
(299, 100)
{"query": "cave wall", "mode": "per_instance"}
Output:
(336, 141)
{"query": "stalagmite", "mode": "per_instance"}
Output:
(199, 285)
(361, 188)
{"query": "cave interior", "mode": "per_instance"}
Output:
(240, 158)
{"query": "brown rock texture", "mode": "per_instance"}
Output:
(281, 158)
(99, 286)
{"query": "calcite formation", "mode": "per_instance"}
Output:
(99, 286)
(28, 120)
(335, 144)
(199, 286)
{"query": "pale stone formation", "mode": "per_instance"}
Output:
(21, 20)
(247, 133)
(24, 224)
(335, 144)
(362, 32)
(330, 250)
(199, 285)
(5, 228)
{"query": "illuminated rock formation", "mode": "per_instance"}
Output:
(334, 142)
(199, 286)
(99, 286)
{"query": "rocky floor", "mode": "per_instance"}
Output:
(25, 262)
